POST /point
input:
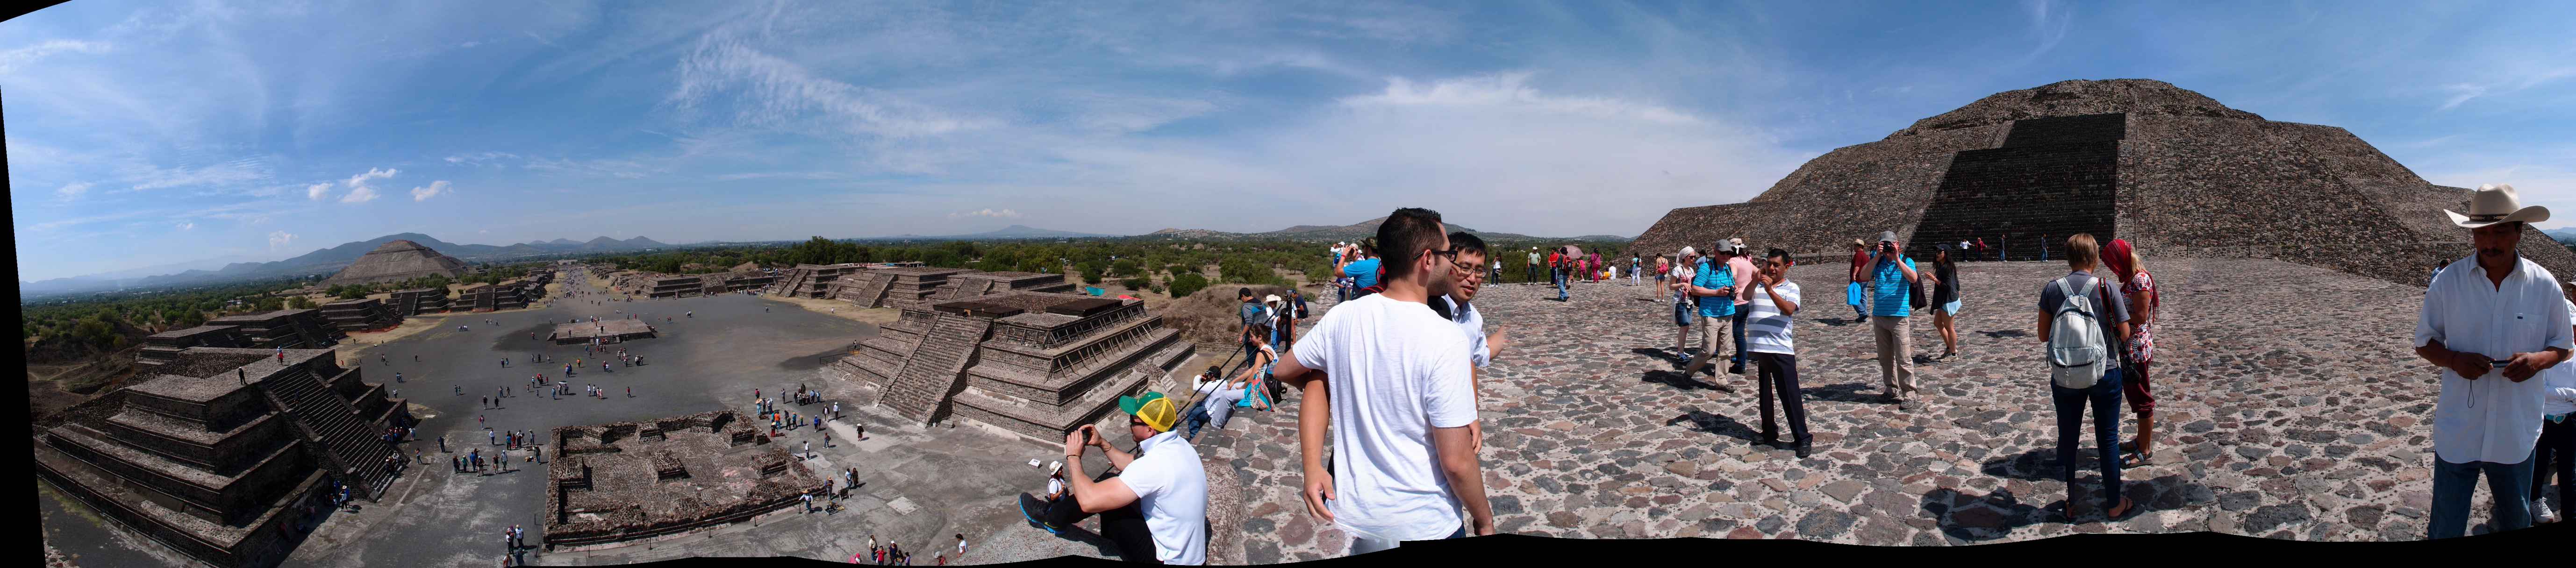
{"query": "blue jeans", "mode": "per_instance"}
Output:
(1560, 278)
(2104, 397)
(1740, 312)
(2453, 483)
(1197, 418)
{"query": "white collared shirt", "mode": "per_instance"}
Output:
(1472, 322)
(2491, 419)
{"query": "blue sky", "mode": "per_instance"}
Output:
(144, 134)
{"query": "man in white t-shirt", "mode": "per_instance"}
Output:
(1404, 453)
(1155, 507)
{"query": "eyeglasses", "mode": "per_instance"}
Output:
(1451, 253)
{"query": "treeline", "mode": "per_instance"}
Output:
(91, 324)
(1138, 264)
(488, 275)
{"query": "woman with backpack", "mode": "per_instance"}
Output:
(2140, 290)
(2082, 321)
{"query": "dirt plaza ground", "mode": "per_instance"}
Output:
(2286, 412)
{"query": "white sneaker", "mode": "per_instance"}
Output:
(2540, 514)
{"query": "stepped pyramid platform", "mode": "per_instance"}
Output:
(632, 480)
(908, 287)
(2174, 172)
(360, 314)
(813, 280)
(287, 329)
(219, 454)
(164, 347)
(1031, 363)
(607, 331)
(419, 301)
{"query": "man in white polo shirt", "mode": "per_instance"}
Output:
(1404, 455)
(1164, 489)
(2492, 322)
(1459, 306)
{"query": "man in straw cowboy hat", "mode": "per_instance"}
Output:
(2492, 322)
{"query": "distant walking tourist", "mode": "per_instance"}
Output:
(2487, 418)
(1155, 507)
(1405, 460)
(1891, 281)
(1532, 270)
(2139, 288)
(1945, 299)
(2081, 321)
(1663, 268)
(1775, 352)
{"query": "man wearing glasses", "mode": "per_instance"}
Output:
(1458, 307)
(1405, 452)
(1154, 505)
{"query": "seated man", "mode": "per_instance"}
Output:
(1155, 506)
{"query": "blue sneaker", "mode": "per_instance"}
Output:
(1033, 519)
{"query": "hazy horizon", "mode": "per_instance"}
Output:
(149, 134)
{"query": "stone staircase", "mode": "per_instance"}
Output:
(934, 370)
(2054, 177)
(968, 288)
(334, 429)
(790, 285)
(873, 291)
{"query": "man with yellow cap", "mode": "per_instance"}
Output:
(1155, 506)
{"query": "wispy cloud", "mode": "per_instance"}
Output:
(359, 190)
(770, 91)
(480, 158)
(187, 226)
(433, 190)
(780, 175)
(279, 239)
(2462, 93)
(71, 190)
(317, 191)
(988, 212)
(362, 194)
(13, 59)
(148, 177)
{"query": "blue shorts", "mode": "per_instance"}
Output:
(1950, 309)
(1681, 314)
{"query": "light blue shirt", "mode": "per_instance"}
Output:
(1714, 278)
(1890, 294)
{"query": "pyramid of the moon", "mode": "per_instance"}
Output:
(2172, 171)
(397, 261)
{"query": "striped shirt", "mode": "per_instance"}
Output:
(1765, 329)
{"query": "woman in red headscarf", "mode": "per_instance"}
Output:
(2140, 290)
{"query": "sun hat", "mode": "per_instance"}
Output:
(1055, 468)
(1738, 243)
(1272, 299)
(1858, 243)
(2496, 203)
(1155, 410)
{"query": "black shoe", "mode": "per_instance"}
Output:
(1804, 448)
(1735, 369)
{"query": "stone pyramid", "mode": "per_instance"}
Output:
(2175, 172)
(396, 261)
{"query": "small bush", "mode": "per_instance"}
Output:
(1186, 284)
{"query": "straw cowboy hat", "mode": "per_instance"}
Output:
(2496, 203)
(1858, 243)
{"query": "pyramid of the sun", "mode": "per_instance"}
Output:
(2176, 173)
(397, 261)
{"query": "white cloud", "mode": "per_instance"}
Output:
(424, 193)
(360, 180)
(987, 212)
(147, 176)
(362, 194)
(1509, 92)
(185, 225)
(72, 190)
(278, 239)
(775, 92)
(11, 60)
(317, 191)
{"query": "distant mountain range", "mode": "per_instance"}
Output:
(2563, 236)
(329, 260)
(1351, 232)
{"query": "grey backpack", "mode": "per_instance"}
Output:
(2077, 352)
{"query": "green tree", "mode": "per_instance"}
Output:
(1186, 284)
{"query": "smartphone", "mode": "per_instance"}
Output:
(2499, 364)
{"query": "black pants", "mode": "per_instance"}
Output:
(1123, 526)
(2556, 454)
(1778, 373)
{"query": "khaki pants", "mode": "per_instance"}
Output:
(1712, 341)
(1895, 337)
